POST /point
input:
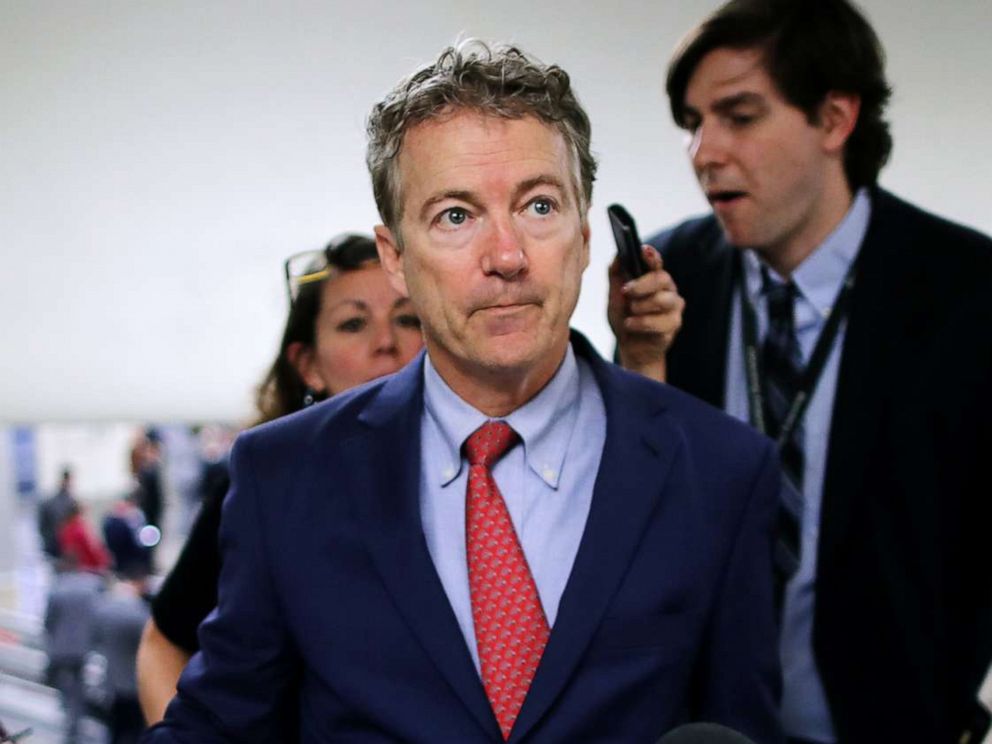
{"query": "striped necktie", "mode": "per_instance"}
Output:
(782, 371)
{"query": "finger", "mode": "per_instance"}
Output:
(663, 302)
(658, 325)
(647, 285)
(651, 257)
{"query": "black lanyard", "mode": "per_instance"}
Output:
(813, 370)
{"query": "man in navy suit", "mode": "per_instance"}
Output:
(510, 539)
(887, 620)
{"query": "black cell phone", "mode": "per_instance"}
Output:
(628, 241)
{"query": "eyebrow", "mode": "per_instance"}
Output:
(459, 194)
(542, 180)
(348, 301)
(725, 105)
(744, 98)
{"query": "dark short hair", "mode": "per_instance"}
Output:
(282, 389)
(811, 47)
(498, 81)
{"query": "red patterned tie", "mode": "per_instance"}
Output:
(510, 628)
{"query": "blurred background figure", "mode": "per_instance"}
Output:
(68, 634)
(119, 616)
(346, 326)
(146, 467)
(214, 447)
(52, 512)
(129, 537)
(79, 547)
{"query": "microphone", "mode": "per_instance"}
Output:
(703, 733)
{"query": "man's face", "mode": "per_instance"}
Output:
(494, 243)
(765, 169)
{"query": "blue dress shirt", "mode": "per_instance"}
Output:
(805, 712)
(547, 482)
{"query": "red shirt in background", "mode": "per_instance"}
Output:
(80, 548)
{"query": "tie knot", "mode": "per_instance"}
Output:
(781, 297)
(489, 442)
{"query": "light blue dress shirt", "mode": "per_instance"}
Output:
(805, 713)
(546, 482)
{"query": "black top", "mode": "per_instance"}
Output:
(150, 492)
(189, 592)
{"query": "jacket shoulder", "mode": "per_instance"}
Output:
(705, 427)
(697, 236)
(296, 434)
(931, 235)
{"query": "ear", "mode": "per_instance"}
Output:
(586, 233)
(391, 258)
(838, 117)
(303, 359)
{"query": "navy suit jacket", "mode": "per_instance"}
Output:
(332, 624)
(903, 627)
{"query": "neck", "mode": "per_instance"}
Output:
(831, 207)
(498, 391)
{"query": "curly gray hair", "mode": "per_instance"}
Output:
(496, 81)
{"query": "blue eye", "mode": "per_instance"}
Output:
(542, 206)
(456, 215)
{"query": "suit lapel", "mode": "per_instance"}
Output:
(640, 447)
(386, 494)
(866, 360)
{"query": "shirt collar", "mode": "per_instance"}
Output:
(819, 276)
(545, 423)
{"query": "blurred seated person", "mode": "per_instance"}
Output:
(79, 547)
(346, 326)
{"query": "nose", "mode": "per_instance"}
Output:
(385, 341)
(706, 148)
(504, 253)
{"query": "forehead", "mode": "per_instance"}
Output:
(366, 284)
(470, 151)
(725, 72)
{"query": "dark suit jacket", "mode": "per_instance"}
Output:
(903, 625)
(330, 610)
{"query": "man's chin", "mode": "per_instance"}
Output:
(508, 354)
(736, 234)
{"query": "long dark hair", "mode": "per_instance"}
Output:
(282, 389)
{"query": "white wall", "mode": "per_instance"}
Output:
(98, 454)
(158, 160)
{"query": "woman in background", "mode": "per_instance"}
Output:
(79, 547)
(346, 326)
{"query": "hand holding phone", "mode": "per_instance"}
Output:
(644, 307)
(628, 241)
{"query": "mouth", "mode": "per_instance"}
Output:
(505, 308)
(505, 319)
(720, 198)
